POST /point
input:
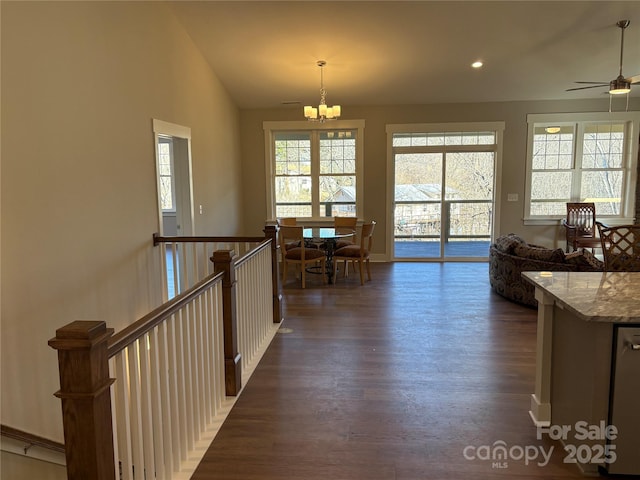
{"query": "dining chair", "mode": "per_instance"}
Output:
(289, 221)
(621, 247)
(293, 251)
(357, 253)
(580, 226)
(345, 225)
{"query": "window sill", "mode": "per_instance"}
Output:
(556, 221)
(312, 221)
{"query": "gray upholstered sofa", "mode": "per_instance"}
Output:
(510, 255)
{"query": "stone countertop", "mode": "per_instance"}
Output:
(612, 297)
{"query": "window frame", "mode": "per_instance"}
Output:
(579, 121)
(497, 148)
(168, 140)
(273, 127)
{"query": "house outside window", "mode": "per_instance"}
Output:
(315, 169)
(585, 157)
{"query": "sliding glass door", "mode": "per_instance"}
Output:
(443, 204)
(418, 204)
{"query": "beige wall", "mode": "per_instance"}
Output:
(19, 467)
(514, 114)
(81, 83)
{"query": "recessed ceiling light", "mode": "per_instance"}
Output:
(476, 64)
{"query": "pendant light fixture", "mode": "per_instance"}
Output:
(322, 112)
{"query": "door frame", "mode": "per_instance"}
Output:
(391, 129)
(182, 173)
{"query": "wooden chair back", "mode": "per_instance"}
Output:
(291, 237)
(366, 236)
(290, 221)
(355, 254)
(583, 217)
(346, 225)
(580, 225)
(621, 247)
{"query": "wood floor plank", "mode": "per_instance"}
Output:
(390, 380)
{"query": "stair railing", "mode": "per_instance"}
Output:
(145, 402)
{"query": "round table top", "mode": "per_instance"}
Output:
(325, 233)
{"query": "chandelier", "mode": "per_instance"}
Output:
(323, 112)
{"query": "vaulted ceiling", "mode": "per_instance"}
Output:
(412, 52)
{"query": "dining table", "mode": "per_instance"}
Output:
(326, 238)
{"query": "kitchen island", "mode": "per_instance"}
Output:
(587, 382)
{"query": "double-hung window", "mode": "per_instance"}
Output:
(585, 157)
(166, 174)
(315, 170)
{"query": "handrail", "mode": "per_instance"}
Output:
(159, 239)
(253, 252)
(133, 332)
(91, 357)
(30, 439)
(270, 233)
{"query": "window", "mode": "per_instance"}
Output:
(316, 169)
(587, 157)
(166, 176)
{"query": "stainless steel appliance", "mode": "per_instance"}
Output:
(624, 405)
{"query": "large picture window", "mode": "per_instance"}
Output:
(581, 158)
(315, 169)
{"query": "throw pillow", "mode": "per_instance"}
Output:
(576, 258)
(540, 253)
(508, 243)
(592, 260)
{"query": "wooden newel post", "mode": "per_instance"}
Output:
(86, 401)
(271, 231)
(224, 261)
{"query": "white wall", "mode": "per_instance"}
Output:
(81, 83)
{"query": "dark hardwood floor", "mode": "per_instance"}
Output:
(391, 380)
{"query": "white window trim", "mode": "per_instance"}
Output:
(271, 127)
(627, 207)
(171, 129)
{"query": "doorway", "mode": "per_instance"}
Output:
(173, 171)
(443, 204)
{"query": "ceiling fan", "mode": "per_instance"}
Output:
(620, 84)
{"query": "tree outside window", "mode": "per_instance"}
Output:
(589, 158)
(166, 175)
(316, 172)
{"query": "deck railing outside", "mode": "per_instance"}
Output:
(175, 371)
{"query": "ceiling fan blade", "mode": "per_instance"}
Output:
(620, 82)
(584, 88)
(634, 79)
